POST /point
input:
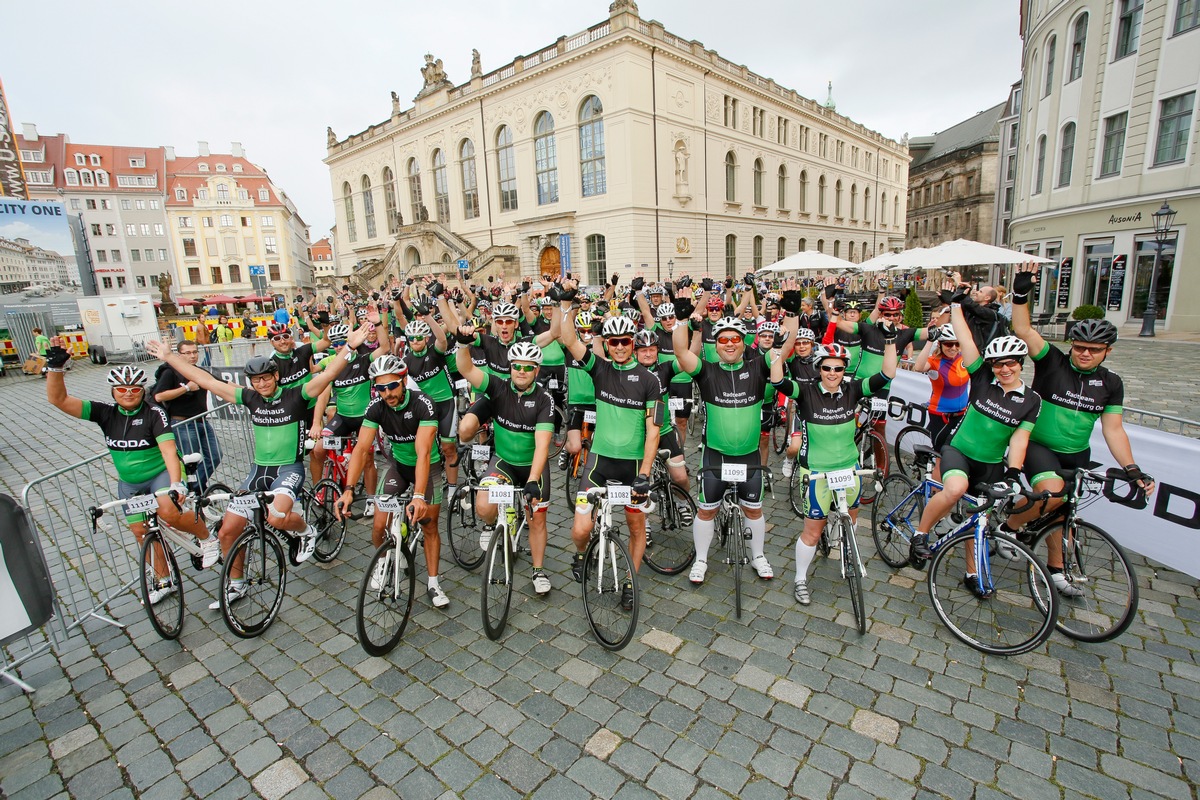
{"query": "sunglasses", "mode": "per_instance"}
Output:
(416, 338)
(1078, 348)
(522, 367)
(505, 321)
(338, 342)
(620, 341)
(826, 368)
(1007, 363)
(389, 387)
(948, 344)
(128, 389)
(729, 339)
(279, 337)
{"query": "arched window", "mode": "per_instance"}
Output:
(730, 256)
(780, 248)
(591, 146)
(101, 178)
(348, 204)
(1039, 171)
(802, 245)
(837, 249)
(854, 201)
(597, 259)
(883, 208)
(414, 189)
(441, 187)
(821, 196)
(853, 255)
(1048, 78)
(1078, 46)
(85, 176)
(802, 203)
(368, 206)
(837, 198)
(730, 178)
(507, 171)
(895, 210)
(782, 199)
(867, 210)
(470, 182)
(72, 176)
(758, 252)
(758, 182)
(866, 251)
(222, 192)
(1066, 154)
(820, 245)
(545, 158)
(389, 200)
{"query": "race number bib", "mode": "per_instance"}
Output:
(244, 502)
(840, 479)
(878, 405)
(462, 385)
(620, 494)
(480, 452)
(675, 403)
(141, 504)
(500, 494)
(733, 473)
(388, 503)
(589, 417)
(332, 442)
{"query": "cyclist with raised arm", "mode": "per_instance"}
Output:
(941, 359)
(428, 367)
(645, 344)
(279, 418)
(524, 426)
(139, 439)
(801, 367)
(661, 320)
(1076, 390)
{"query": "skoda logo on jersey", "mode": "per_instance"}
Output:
(529, 404)
(126, 444)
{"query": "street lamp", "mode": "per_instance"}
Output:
(1162, 230)
(671, 270)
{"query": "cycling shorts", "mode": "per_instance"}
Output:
(342, 426)
(1041, 462)
(942, 427)
(159, 484)
(286, 479)
(500, 471)
(447, 415)
(670, 441)
(482, 409)
(976, 472)
(819, 498)
(399, 477)
(712, 488)
(601, 471)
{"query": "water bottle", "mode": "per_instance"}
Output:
(510, 517)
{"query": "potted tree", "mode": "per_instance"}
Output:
(1085, 311)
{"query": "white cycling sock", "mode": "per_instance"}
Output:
(758, 535)
(433, 581)
(702, 536)
(805, 553)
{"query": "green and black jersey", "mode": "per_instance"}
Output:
(518, 416)
(428, 369)
(132, 437)
(553, 354)
(627, 395)
(666, 351)
(993, 416)
(294, 369)
(580, 389)
(870, 360)
(352, 386)
(665, 371)
(491, 355)
(399, 425)
(851, 341)
(826, 421)
(733, 396)
(1072, 400)
(803, 370)
(280, 424)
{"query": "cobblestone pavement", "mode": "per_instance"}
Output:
(788, 701)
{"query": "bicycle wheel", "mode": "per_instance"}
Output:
(852, 566)
(795, 493)
(331, 531)
(734, 536)
(670, 548)
(496, 584)
(779, 431)
(1098, 565)
(264, 571)
(560, 431)
(903, 461)
(604, 571)
(872, 454)
(214, 510)
(575, 467)
(463, 527)
(166, 616)
(385, 600)
(894, 519)
(1010, 619)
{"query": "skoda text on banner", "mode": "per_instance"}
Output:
(12, 174)
(1168, 528)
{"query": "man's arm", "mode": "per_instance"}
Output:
(223, 390)
(967, 346)
(570, 341)
(164, 395)
(426, 441)
(688, 361)
(1022, 324)
(363, 450)
(644, 307)
(654, 418)
(56, 390)
(471, 373)
(325, 377)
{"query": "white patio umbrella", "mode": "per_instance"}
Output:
(810, 260)
(965, 253)
(905, 259)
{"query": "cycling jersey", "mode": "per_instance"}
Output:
(294, 366)
(666, 351)
(851, 341)
(428, 370)
(870, 357)
(827, 420)
(627, 395)
(493, 354)
(352, 387)
(1074, 400)
(580, 389)
(665, 371)
(400, 425)
(951, 382)
(993, 415)
(517, 418)
(280, 423)
(803, 370)
(132, 437)
(553, 354)
(708, 338)
(733, 396)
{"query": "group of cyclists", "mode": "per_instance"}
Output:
(541, 355)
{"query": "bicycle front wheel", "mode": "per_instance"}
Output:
(779, 432)
(670, 548)
(162, 586)
(214, 510)
(872, 454)
(1009, 619)
(605, 572)
(385, 600)
(463, 527)
(903, 450)
(1098, 566)
(264, 576)
(560, 431)
(734, 536)
(894, 519)
(331, 531)
(852, 566)
(796, 491)
(496, 584)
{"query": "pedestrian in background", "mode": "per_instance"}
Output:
(224, 335)
(203, 340)
(249, 326)
(184, 400)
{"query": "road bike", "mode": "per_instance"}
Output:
(670, 547)
(872, 447)
(611, 598)
(463, 524)
(496, 579)
(385, 596)
(331, 531)
(576, 462)
(731, 522)
(839, 533)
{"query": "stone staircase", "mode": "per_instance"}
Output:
(499, 261)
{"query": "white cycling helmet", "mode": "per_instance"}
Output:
(583, 320)
(806, 334)
(128, 375)
(505, 311)
(729, 324)
(664, 310)
(946, 333)
(618, 326)
(417, 328)
(768, 327)
(339, 332)
(1005, 347)
(525, 351)
(387, 365)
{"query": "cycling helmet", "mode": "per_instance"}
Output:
(618, 326)
(128, 375)
(806, 334)
(632, 313)
(1097, 331)
(849, 305)
(768, 327)
(832, 350)
(261, 365)
(583, 320)
(1005, 347)
(664, 311)
(276, 328)
(543, 302)
(645, 339)
(946, 333)
(417, 328)
(505, 311)
(338, 333)
(653, 290)
(715, 304)
(361, 313)
(890, 303)
(483, 305)
(387, 365)
(729, 324)
(525, 351)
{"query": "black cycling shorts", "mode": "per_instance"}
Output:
(942, 427)
(670, 441)
(399, 477)
(712, 488)
(447, 415)
(977, 472)
(600, 471)
(482, 409)
(342, 426)
(1041, 462)
(504, 472)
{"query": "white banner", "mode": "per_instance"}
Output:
(1166, 530)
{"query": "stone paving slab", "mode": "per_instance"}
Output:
(787, 701)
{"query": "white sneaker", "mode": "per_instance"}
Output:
(485, 537)
(761, 566)
(163, 588)
(801, 593)
(236, 591)
(210, 551)
(699, 569)
(308, 544)
(1006, 550)
(380, 575)
(1065, 587)
(438, 597)
(788, 467)
(541, 583)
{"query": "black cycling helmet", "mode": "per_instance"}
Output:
(262, 365)
(1098, 331)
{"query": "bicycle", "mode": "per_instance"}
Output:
(496, 584)
(872, 447)
(576, 462)
(915, 433)
(842, 535)
(462, 523)
(331, 532)
(699, 412)
(734, 533)
(778, 424)
(670, 548)
(607, 567)
(385, 596)
(1012, 608)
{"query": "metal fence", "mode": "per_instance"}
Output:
(1163, 422)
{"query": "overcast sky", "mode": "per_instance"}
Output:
(273, 74)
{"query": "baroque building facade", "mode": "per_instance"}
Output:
(622, 145)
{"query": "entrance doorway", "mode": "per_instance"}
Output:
(550, 262)
(1144, 255)
(1097, 266)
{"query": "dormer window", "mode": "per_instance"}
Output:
(237, 167)
(220, 167)
(80, 160)
(181, 194)
(204, 167)
(95, 160)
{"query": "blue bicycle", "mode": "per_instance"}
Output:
(990, 590)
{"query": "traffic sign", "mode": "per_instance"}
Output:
(258, 269)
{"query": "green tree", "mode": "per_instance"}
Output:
(914, 315)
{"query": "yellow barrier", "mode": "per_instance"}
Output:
(189, 327)
(7, 348)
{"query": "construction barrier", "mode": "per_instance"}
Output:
(8, 349)
(235, 323)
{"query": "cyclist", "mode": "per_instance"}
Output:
(279, 417)
(581, 392)
(524, 426)
(409, 423)
(1076, 389)
(427, 363)
(139, 439)
(628, 415)
(842, 310)
(733, 389)
(184, 400)
(826, 411)
(646, 344)
(552, 374)
(801, 367)
(662, 321)
(1000, 414)
(941, 359)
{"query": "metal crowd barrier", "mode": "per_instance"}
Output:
(1162, 422)
(234, 353)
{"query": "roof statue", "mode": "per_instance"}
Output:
(330, 137)
(395, 104)
(434, 75)
(623, 5)
(829, 102)
(476, 69)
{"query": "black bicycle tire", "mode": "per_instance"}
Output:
(1063, 620)
(331, 532)
(275, 549)
(795, 483)
(558, 440)
(463, 539)
(674, 525)
(851, 563)
(167, 631)
(735, 548)
(902, 459)
(388, 643)
(892, 544)
(592, 609)
(213, 520)
(779, 431)
(494, 560)
(866, 496)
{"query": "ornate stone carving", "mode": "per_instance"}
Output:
(623, 5)
(330, 137)
(476, 69)
(682, 246)
(395, 104)
(434, 75)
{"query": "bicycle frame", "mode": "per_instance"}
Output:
(842, 509)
